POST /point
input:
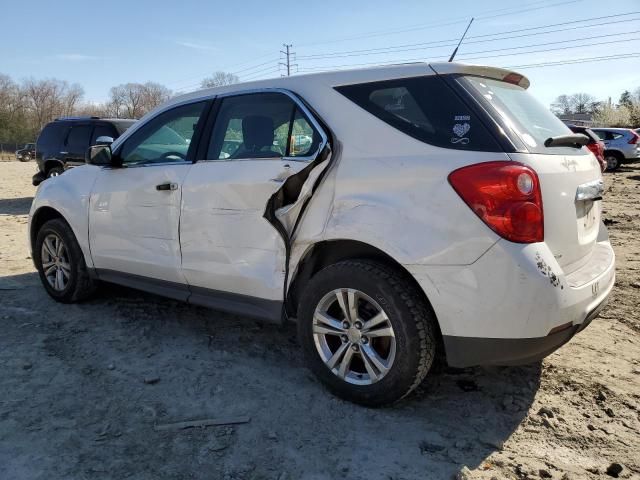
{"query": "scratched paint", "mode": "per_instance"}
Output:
(547, 271)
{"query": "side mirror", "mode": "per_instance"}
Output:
(104, 140)
(99, 155)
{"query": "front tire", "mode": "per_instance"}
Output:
(366, 331)
(61, 264)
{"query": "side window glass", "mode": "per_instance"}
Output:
(261, 125)
(166, 138)
(304, 139)
(102, 131)
(425, 108)
(78, 139)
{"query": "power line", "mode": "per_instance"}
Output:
(446, 42)
(267, 71)
(192, 78)
(452, 21)
(555, 49)
(466, 56)
(578, 60)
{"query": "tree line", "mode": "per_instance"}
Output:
(625, 113)
(27, 106)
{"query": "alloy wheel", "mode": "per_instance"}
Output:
(354, 336)
(55, 262)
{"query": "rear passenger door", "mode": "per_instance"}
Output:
(256, 147)
(76, 144)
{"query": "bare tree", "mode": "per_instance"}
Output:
(133, 100)
(154, 95)
(71, 98)
(562, 105)
(219, 79)
(50, 98)
(581, 102)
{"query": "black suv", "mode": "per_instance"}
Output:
(62, 144)
(26, 153)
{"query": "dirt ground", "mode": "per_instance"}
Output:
(82, 388)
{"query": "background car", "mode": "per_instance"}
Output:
(621, 145)
(62, 144)
(26, 153)
(595, 144)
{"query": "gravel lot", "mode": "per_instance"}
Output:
(84, 387)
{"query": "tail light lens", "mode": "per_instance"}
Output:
(506, 196)
(634, 138)
(598, 150)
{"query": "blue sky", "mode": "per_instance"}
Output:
(178, 43)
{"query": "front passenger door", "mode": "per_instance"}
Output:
(135, 209)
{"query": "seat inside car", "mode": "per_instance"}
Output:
(257, 134)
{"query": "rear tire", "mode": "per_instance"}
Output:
(384, 359)
(61, 264)
(614, 160)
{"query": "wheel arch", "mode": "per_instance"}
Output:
(41, 216)
(51, 163)
(327, 252)
(613, 151)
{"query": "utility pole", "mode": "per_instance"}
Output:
(288, 54)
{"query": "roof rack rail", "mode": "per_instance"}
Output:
(79, 118)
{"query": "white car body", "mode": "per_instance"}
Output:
(207, 240)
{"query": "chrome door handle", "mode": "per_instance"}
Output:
(164, 187)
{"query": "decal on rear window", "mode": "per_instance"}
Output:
(460, 130)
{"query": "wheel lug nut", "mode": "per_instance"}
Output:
(364, 340)
(355, 348)
(358, 325)
(344, 338)
(345, 325)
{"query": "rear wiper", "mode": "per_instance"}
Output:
(575, 140)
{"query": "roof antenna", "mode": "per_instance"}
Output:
(463, 35)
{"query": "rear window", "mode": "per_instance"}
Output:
(531, 121)
(425, 108)
(122, 126)
(52, 136)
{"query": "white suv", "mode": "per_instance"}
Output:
(397, 213)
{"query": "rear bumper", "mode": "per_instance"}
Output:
(515, 304)
(468, 351)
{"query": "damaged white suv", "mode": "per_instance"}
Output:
(397, 213)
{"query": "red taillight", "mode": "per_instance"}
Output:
(598, 150)
(506, 196)
(634, 138)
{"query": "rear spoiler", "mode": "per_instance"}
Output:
(481, 71)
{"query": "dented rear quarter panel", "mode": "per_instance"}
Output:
(391, 191)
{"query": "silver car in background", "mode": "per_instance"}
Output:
(622, 145)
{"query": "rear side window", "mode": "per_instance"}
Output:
(78, 139)
(261, 125)
(51, 137)
(425, 108)
(102, 131)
